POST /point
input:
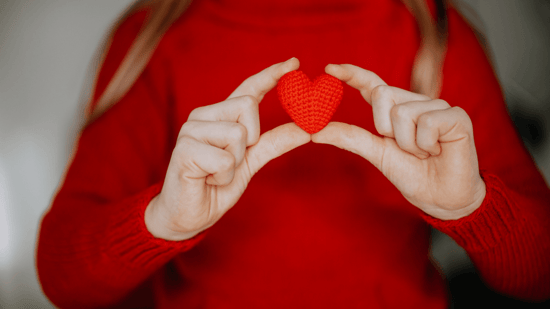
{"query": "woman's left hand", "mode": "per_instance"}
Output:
(426, 150)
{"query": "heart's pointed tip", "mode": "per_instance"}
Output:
(310, 130)
(313, 131)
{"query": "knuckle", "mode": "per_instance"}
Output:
(226, 162)
(237, 132)
(380, 92)
(249, 102)
(186, 128)
(195, 114)
(399, 112)
(426, 120)
(464, 118)
(460, 112)
(442, 103)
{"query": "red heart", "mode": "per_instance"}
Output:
(310, 104)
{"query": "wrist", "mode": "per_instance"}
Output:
(158, 225)
(457, 214)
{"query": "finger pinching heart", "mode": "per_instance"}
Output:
(310, 104)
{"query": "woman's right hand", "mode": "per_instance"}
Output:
(218, 151)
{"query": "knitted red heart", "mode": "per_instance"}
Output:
(310, 104)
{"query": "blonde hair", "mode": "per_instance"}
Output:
(161, 14)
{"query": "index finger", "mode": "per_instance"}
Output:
(374, 90)
(259, 84)
(363, 80)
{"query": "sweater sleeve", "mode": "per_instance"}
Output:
(508, 237)
(94, 248)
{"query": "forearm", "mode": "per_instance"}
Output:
(508, 240)
(92, 255)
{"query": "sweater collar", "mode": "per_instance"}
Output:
(289, 14)
(290, 6)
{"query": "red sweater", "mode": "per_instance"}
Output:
(317, 227)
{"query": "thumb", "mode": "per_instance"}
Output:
(354, 139)
(273, 144)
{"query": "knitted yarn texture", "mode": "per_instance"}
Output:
(310, 104)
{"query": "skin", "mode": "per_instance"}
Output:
(218, 151)
(219, 148)
(426, 150)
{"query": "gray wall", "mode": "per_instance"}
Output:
(45, 49)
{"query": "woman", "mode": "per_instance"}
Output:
(153, 210)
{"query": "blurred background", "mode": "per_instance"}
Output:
(46, 47)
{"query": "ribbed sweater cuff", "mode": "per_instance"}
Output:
(490, 224)
(130, 241)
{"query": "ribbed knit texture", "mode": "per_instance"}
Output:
(317, 227)
(310, 104)
(129, 239)
(498, 224)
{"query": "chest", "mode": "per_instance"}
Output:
(211, 58)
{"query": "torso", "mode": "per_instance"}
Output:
(319, 226)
